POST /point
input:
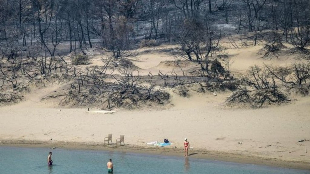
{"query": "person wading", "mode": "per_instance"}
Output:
(110, 166)
(49, 159)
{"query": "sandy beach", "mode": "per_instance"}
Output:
(275, 135)
(230, 76)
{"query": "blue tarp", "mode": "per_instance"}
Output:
(164, 144)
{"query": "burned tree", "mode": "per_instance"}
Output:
(198, 39)
(295, 77)
(259, 88)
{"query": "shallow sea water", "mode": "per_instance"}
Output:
(15, 160)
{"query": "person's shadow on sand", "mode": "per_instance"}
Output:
(192, 154)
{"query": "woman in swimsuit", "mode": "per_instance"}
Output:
(186, 146)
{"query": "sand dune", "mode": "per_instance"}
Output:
(270, 133)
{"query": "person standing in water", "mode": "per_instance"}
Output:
(49, 159)
(186, 147)
(110, 166)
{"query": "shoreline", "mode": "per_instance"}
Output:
(164, 151)
(274, 136)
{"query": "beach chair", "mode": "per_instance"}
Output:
(108, 139)
(121, 140)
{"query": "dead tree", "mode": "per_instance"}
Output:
(297, 76)
(260, 88)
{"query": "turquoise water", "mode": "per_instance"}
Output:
(15, 160)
